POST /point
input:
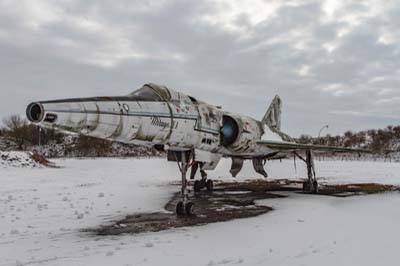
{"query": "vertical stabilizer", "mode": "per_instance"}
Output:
(272, 117)
(272, 122)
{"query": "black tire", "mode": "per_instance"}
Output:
(189, 208)
(197, 186)
(180, 209)
(315, 186)
(306, 186)
(210, 185)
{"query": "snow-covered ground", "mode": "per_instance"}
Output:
(17, 159)
(43, 209)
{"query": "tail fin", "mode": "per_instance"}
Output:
(272, 117)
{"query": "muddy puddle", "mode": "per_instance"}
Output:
(229, 200)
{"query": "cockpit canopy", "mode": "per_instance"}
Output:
(157, 93)
(152, 92)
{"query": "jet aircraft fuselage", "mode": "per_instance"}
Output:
(194, 133)
(157, 116)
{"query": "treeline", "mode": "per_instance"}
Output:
(381, 141)
(24, 134)
(19, 134)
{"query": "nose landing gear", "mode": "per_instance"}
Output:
(184, 207)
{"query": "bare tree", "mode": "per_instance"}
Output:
(17, 129)
(305, 139)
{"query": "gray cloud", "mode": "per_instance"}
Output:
(330, 62)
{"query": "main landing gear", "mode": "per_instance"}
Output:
(204, 182)
(311, 185)
(198, 185)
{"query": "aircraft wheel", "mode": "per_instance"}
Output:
(315, 186)
(306, 186)
(197, 186)
(189, 208)
(210, 185)
(180, 209)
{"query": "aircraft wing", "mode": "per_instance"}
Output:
(292, 146)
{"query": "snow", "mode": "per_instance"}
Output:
(42, 211)
(17, 159)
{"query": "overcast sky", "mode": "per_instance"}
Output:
(332, 62)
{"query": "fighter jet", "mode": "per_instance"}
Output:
(194, 134)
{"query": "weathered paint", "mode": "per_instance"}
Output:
(174, 120)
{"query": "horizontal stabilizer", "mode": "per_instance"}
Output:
(292, 146)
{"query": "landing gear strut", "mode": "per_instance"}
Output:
(204, 182)
(311, 185)
(184, 207)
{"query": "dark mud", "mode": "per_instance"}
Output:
(230, 200)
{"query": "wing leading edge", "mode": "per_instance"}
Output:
(292, 146)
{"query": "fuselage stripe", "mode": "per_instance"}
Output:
(167, 115)
(144, 114)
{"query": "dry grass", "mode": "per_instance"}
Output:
(38, 158)
(367, 188)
